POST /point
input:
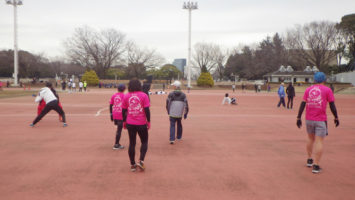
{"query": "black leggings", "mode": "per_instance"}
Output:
(119, 124)
(53, 105)
(142, 131)
(290, 99)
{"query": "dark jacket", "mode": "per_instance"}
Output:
(176, 103)
(290, 91)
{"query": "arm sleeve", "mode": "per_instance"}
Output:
(124, 114)
(147, 113)
(300, 111)
(186, 106)
(333, 109)
(146, 102)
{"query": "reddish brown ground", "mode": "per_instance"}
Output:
(250, 151)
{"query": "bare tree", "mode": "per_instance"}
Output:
(140, 59)
(314, 43)
(95, 49)
(221, 57)
(147, 57)
(205, 56)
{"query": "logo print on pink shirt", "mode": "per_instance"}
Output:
(315, 97)
(135, 106)
(117, 104)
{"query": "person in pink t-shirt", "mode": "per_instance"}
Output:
(136, 118)
(316, 98)
(116, 113)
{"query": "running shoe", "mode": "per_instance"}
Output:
(65, 124)
(32, 125)
(117, 146)
(133, 168)
(141, 165)
(316, 169)
(309, 162)
(172, 142)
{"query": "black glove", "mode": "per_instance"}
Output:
(299, 123)
(111, 117)
(336, 122)
(185, 115)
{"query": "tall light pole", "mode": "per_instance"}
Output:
(189, 6)
(15, 3)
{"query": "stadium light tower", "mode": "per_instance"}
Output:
(15, 3)
(189, 6)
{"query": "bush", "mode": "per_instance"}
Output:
(90, 77)
(205, 80)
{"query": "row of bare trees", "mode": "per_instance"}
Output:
(100, 50)
(314, 44)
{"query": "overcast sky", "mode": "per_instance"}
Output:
(162, 24)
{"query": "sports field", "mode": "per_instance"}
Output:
(250, 151)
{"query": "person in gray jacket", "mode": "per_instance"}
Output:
(176, 106)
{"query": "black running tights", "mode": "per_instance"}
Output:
(142, 131)
(290, 99)
(119, 131)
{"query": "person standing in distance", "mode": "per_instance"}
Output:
(316, 98)
(136, 118)
(85, 85)
(281, 93)
(81, 86)
(176, 104)
(290, 91)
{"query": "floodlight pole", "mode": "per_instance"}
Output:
(189, 6)
(15, 3)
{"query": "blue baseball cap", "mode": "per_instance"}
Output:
(319, 77)
(121, 87)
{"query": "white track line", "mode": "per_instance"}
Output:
(99, 111)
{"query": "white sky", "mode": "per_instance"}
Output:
(162, 24)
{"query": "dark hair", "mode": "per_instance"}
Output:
(121, 87)
(226, 95)
(48, 84)
(290, 84)
(134, 85)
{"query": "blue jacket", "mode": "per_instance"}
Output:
(281, 91)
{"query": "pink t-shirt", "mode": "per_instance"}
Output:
(316, 98)
(116, 101)
(135, 102)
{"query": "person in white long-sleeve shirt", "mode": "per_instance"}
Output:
(49, 95)
(226, 99)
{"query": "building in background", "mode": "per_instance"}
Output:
(287, 74)
(180, 63)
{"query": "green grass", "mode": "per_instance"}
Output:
(15, 93)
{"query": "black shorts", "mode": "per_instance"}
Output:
(118, 122)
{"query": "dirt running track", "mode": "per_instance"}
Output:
(250, 151)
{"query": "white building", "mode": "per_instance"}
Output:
(287, 74)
